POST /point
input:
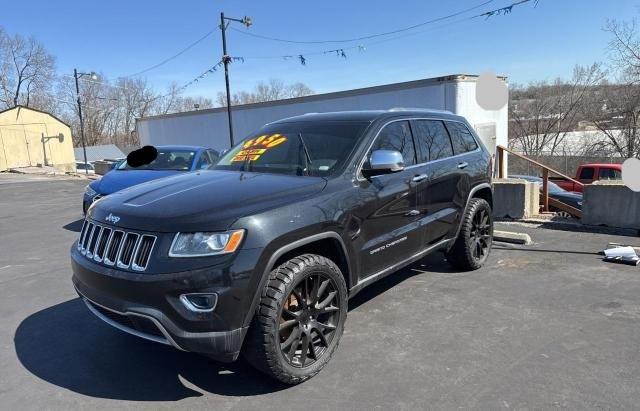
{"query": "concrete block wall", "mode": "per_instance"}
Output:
(513, 198)
(611, 204)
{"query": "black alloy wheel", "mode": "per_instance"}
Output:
(480, 235)
(300, 319)
(308, 320)
(475, 237)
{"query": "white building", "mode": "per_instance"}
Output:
(574, 143)
(455, 93)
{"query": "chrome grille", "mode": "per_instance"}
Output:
(110, 246)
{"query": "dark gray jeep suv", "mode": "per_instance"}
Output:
(259, 254)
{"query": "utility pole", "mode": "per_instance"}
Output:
(226, 59)
(84, 146)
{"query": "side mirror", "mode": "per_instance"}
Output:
(384, 162)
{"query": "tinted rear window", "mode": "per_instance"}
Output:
(461, 138)
(432, 138)
(609, 174)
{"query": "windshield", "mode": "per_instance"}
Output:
(553, 187)
(167, 160)
(303, 148)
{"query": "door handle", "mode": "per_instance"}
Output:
(419, 177)
(462, 165)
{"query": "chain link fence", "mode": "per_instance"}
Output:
(565, 164)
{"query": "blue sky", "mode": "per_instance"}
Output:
(121, 37)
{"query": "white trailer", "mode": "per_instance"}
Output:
(209, 127)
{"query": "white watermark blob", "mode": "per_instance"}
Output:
(491, 92)
(631, 173)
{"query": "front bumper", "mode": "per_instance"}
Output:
(148, 305)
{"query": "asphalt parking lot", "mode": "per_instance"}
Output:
(541, 326)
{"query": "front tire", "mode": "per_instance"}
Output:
(300, 319)
(472, 247)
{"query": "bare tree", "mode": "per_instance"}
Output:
(541, 113)
(273, 90)
(134, 99)
(99, 110)
(26, 70)
(624, 47)
(614, 110)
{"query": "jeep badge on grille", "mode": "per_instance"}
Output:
(112, 218)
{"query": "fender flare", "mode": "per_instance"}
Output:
(279, 253)
(471, 193)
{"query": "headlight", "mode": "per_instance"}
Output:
(90, 191)
(204, 244)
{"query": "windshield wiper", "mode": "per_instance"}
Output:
(308, 161)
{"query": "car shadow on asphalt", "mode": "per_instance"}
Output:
(433, 263)
(74, 225)
(67, 346)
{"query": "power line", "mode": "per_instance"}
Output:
(196, 79)
(505, 10)
(248, 33)
(168, 59)
(341, 52)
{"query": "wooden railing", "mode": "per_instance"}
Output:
(545, 200)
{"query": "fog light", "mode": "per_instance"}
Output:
(200, 302)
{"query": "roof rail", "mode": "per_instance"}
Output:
(419, 109)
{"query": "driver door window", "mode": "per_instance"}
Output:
(586, 175)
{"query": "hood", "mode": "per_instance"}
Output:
(209, 200)
(572, 199)
(117, 180)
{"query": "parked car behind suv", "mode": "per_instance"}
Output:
(260, 254)
(171, 160)
(556, 192)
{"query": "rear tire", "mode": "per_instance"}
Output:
(472, 247)
(299, 321)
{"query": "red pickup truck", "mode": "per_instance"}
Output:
(588, 173)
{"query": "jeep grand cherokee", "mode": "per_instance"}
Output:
(259, 254)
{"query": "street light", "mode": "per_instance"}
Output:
(44, 139)
(77, 76)
(226, 59)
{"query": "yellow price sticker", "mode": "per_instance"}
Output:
(256, 147)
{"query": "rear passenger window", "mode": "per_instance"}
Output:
(397, 136)
(432, 138)
(609, 174)
(461, 138)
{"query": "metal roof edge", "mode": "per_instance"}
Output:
(20, 107)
